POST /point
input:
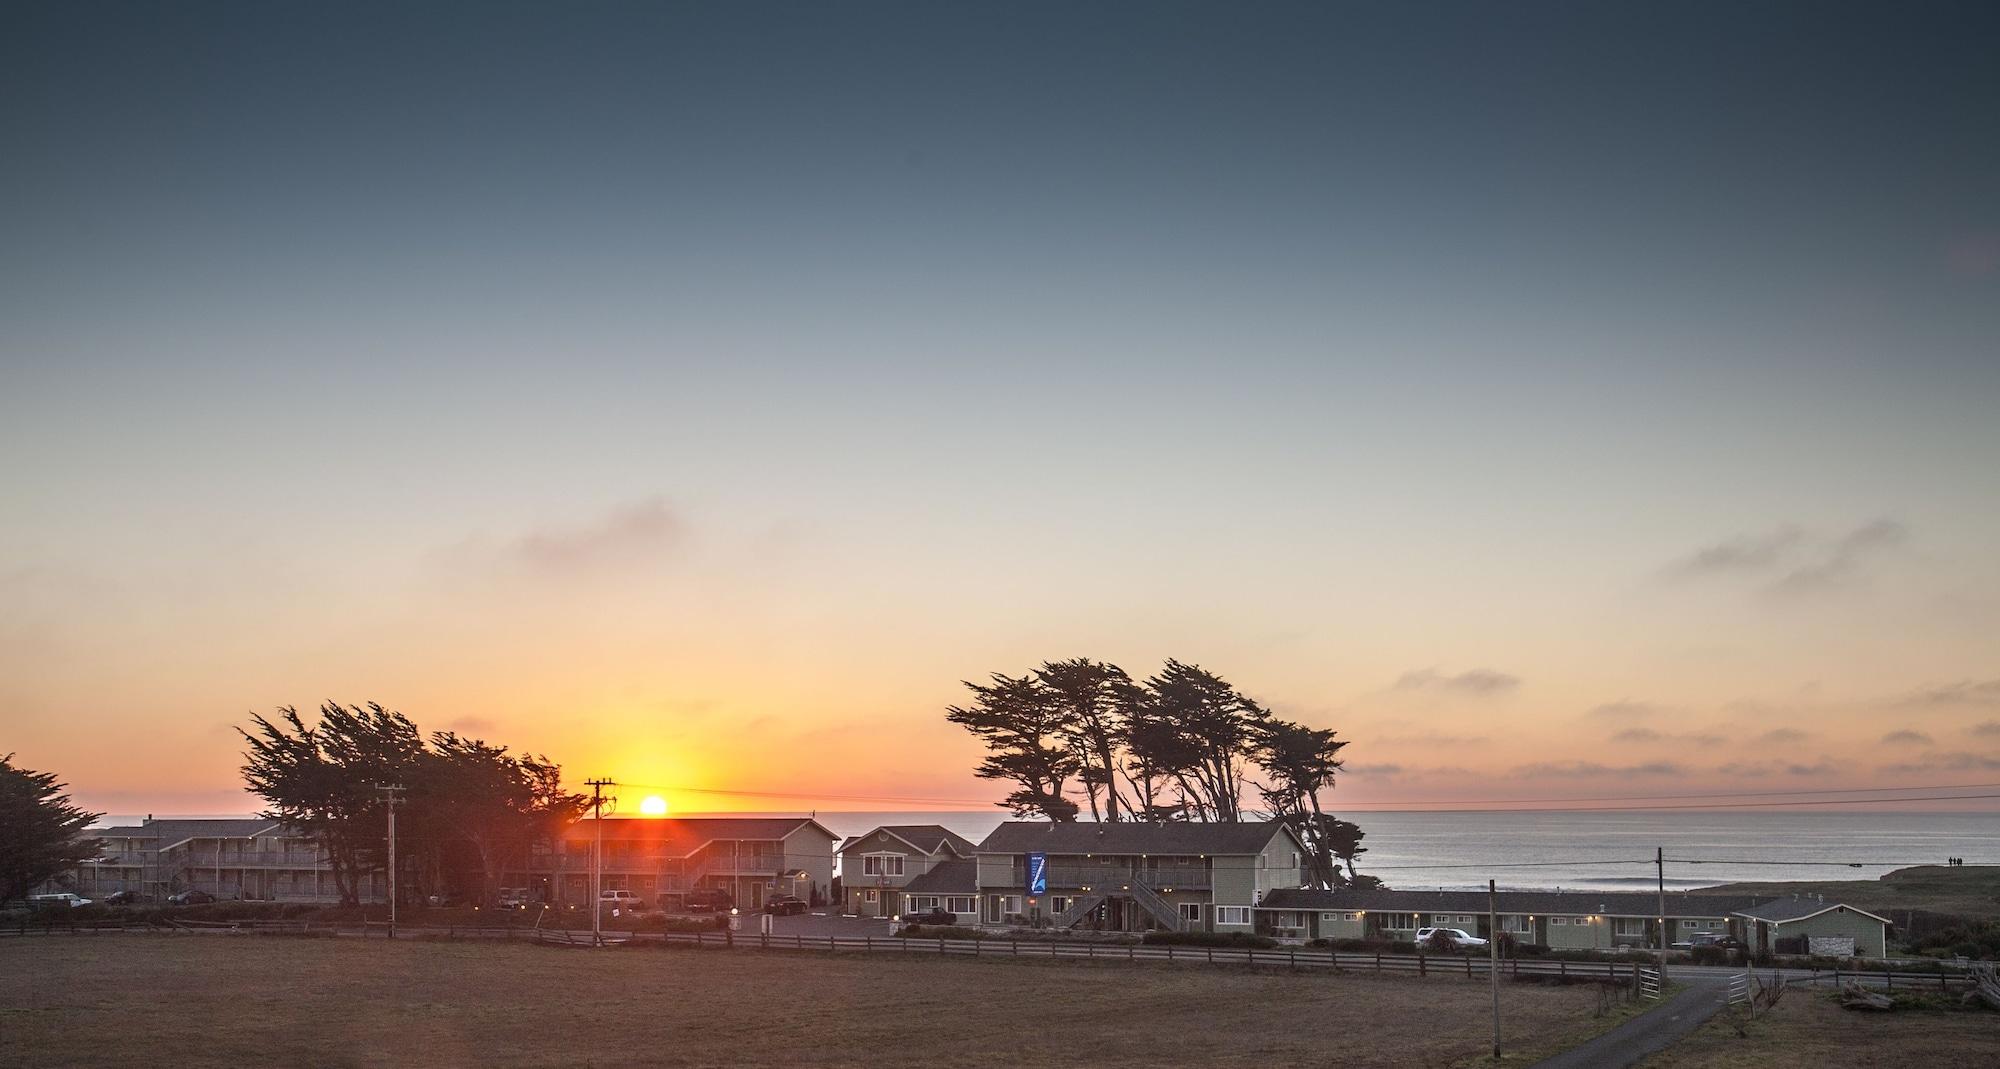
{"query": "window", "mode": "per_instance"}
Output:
(1010, 904)
(1629, 926)
(870, 896)
(1351, 916)
(1058, 903)
(1232, 914)
(959, 904)
(882, 865)
(1558, 920)
(1191, 912)
(1399, 922)
(1516, 923)
(923, 903)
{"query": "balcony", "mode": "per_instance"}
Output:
(302, 859)
(1072, 876)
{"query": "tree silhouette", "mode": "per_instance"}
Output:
(41, 832)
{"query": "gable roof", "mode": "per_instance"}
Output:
(1536, 903)
(923, 838)
(173, 832)
(680, 836)
(1787, 910)
(1131, 837)
(946, 878)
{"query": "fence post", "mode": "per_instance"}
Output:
(1420, 963)
(1562, 968)
(1378, 961)
(1016, 945)
(940, 944)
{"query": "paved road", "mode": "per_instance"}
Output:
(1650, 1032)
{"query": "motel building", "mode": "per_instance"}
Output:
(1574, 920)
(1132, 876)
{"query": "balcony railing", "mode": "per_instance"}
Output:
(273, 860)
(1099, 877)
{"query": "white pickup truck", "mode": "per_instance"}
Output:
(1459, 937)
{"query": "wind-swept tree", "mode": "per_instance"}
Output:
(41, 832)
(1027, 733)
(1093, 697)
(325, 780)
(1210, 732)
(1298, 763)
(496, 802)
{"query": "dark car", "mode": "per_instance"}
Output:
(786, 905)
(190, 898)
(709, 902)
(1719, 940)
(936, 916)
(125, 898)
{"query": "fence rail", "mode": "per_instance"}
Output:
(1305, 958)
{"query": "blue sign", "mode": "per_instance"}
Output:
(1038, 874)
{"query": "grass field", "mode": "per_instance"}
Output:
(1809, 1030)
(1971, 891)
(237, 1001)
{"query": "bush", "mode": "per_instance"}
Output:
(1239, 940)
(939, 931)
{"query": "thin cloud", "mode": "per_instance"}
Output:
(1989, 729)
(1435, 739)
(1791, 561)
(1477, 682)
(1969, 692)
(1911, 738)
(1783, 735)
(1946, 762)
(1698, 738)
(1763, 769)
(1589, 769)
(1844, 565)
(1624, 709)
(1743, 553)
(642, 530)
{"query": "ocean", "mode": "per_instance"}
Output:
(1612, 851)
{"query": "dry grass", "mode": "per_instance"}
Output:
(1809, 1030)
(236, 1001)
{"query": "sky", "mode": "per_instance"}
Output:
(1554, 399)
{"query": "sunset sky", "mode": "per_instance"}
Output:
(1556, 405)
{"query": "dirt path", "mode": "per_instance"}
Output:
(1649, 1033)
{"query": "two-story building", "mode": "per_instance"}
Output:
(876, 867)
(255, 859)
(662, 859)
(1133, 876)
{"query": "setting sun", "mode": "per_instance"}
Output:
(653, 806)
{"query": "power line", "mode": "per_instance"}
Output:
(1516, 864)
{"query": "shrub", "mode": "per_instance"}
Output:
(939, 931)
(1240, 940)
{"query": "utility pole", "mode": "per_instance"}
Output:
(1660, 864)
(597, 860)
(390, 796)
(1493, 956)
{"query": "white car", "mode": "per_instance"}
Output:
(60, 901)
(1460, 938)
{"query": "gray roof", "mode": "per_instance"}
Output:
(1537, 903)
(946, 878)
(929, 838)
(1131, 837)
(1795, 909)
(169, 832)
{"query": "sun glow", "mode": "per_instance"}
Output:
(653, 806)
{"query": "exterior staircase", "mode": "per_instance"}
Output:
(1149, 900)
(1079, 909)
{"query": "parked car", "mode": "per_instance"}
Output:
(1459, 937)
(785, 905)
(515, 898)
(936, 916)
(709, 901)
(125, 898)
(445, 898)
(190, 898)
(620, 900)
(1719, 940)
(64, 900)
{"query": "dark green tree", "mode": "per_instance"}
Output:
(1298, 763)
(498, 804)
(41, 832)
(1027, 731)
(1094, 697)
